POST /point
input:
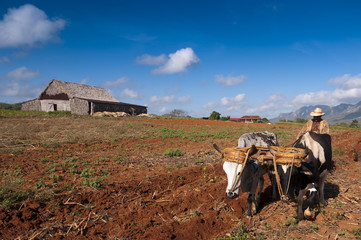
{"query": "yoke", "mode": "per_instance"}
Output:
(281, 155)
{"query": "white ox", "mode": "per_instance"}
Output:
(253, 172)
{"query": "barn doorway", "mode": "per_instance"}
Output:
(55, 107)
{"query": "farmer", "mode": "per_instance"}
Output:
(317, 124)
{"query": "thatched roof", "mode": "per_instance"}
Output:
(77, 90)
(250, 117)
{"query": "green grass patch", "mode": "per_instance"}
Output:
(173, 152)
(12, 197)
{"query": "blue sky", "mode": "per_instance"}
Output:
(234, 57)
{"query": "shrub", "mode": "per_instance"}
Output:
(215, 116)
(354, 124)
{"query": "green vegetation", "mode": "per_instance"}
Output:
(301, 120)
(265, 120)
(177, 113)
(173, 152)
(290, 222)
(16, 106)
(354, 124)
(11, 196)
(95, 183)
(241, 233)
(337, 152)
(357, 233)
(214, 116)
(225, 118)
(87, 173)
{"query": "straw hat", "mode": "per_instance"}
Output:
(317, 112)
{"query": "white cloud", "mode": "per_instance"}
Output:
(115, 83)
(17, 85)
(27, 26)
(128, 93)
(147, 59)
(168, 100)
(229, 80)
(157, 100)
(163, 110)
(228, 103)
(276, 97)
(347, 81)
(178, 62)
(348, 90)
(4, 59)
(19, 90)
(312, 98)
(184, 99)
(22, 73)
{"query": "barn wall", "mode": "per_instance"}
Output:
(49, 105)
(79, 106)
(33, 105)
(102, 107)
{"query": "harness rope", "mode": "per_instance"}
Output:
(240, 173)
(278, 180)
(293, 156)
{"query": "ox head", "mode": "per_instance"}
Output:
(233, 171)
(308, 201)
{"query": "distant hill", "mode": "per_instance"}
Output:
(15, 106)
(340, 113)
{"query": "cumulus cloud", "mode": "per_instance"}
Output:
(27, 26)
(184, 99)
(347, 82)
(227, 103)
(348, 90)
(147, 59)
(128, 93)
(19, 90)
(17, 85)
(276, 97)
(168, 100)
(22, 73)
(229, 80)
(175, 63)
(115, 83)
(158, 100)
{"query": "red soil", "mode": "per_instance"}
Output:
(148, 196)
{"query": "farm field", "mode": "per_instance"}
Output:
(67, 177)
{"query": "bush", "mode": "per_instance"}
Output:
(16, 106)
(177, 113)
(301, 120)
(215, 116)
(354, 124)
(225, 118)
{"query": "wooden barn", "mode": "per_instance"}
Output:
(79, 99)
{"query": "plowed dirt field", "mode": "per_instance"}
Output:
(134, 186)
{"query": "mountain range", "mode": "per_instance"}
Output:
(337, 114)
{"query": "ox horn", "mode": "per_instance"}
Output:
(217, 148)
